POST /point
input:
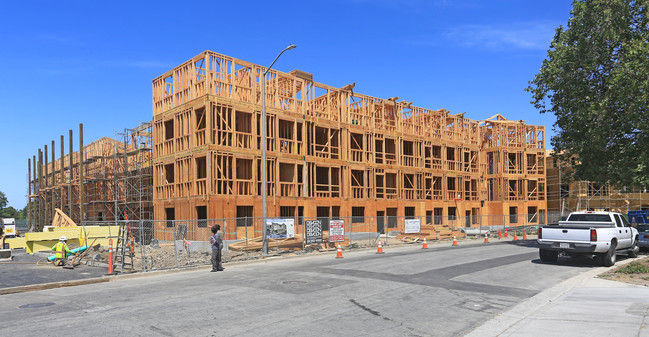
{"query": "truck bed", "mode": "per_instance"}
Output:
(585, 224)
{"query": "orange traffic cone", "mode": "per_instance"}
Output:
(486, 238)
(505, 232)
(339, 253)
(425, 244)
(380, 249)
(515, 237)
(454, 241)
(499, 235)
(525, 235)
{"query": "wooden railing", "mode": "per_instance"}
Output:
(244, 187)
(201, 186)
(200, 137)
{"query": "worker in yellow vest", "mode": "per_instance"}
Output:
(62, 251)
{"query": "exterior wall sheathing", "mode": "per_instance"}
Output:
(331, 148)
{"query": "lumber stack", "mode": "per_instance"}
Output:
(431, 232)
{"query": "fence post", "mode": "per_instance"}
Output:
(142, 248)
(369, 230)
(174, 238)
(245, 228)
(351, 231)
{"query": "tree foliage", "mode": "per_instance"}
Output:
(9, 212)
(595, 80)
(3, 200)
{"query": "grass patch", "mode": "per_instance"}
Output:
(634, 268)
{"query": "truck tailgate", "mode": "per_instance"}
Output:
(566, 234)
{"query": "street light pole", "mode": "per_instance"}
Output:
(263, 150)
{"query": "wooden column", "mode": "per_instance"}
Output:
(81, 173)
(53, 189)
(70, 200)
(62, 173)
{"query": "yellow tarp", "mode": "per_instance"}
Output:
(43, 241)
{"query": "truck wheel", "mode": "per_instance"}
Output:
(548, 255)
(633, 251)
(610, 257)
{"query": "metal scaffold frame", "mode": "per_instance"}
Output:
(115, 176)
(567, 196)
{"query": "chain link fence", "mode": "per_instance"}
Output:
(169, 244)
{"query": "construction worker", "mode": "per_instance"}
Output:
(62, 251)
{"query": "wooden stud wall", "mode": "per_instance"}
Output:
(110, 178)
(329, 147)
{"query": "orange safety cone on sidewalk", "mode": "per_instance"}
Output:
(339, 253)
(525, 235)
(425, 244)
(499, 235)
(515, 237)
(380, 249)
(505, 232)
(486, 238)
(454, 241)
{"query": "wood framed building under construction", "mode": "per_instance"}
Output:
(332, 152)
(567, 195)
(106, 180)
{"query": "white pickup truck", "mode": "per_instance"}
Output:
(599, 234)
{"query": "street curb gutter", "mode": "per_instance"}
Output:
(502, 322)
(44, 286)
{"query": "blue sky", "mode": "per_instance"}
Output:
(91, 62)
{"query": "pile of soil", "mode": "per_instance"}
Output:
(636, 272)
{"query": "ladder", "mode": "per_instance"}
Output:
(124, 247)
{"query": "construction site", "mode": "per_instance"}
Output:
(116, 183)
(566, 195)
(332, 153)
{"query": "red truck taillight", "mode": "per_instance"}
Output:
(540, 237)
(593, 235)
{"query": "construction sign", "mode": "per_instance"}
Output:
(336, 230)
(412, 226)
(280, 228)
(313, 230)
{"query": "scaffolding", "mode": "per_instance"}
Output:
(133, 177)
(116, 180)
(565, 196)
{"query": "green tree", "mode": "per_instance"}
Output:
(3, 200)
(8, 212)
(595, 80)
(22, 214)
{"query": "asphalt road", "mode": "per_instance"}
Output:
(25, 269)
(408, 291)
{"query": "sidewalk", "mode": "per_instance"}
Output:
(581, 306)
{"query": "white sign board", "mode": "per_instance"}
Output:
(412, 226)
(336, 230)
(280, 228)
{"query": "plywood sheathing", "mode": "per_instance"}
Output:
(329, 148)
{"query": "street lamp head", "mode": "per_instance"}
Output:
(291, 46)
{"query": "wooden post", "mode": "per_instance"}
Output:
(53, 185)
(70, 167)
(45, 187)
(81, 173)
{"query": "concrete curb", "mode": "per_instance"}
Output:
(504, 321)
(44, 286)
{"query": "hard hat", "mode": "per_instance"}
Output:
(63, 238)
